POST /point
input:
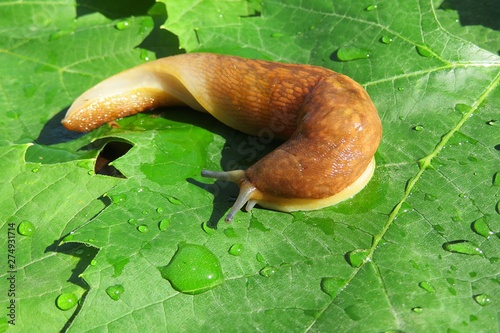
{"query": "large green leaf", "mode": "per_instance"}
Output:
(416, 251)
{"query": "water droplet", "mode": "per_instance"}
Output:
(424, 51)
(122, 25)
(229, 232)
(352, 53)
(91, 240)
(462, 108)
(429, 197)
(371, 7)
(115, 292)
(174, 200)
(418, 128)
(91, 172)
(480, 227)
(463, 247)
(427, 287)
(401, 88)
(133, 221)
(356, 258)
(417, 309)
(66, 301)
(483, 299)
(332, 286)
(93, 262)
(260, 258)
(26, 228)
(268, 271)
(193, 269)
(354, 312)
(145, 27)
(60, 34)
(164, 224)
(35, 170)
(144, 55)
(207, 228)
(496, 179)
(386, 39)
(236, 249)
(119, 198)
(277, 34)
(143, 228)
(159, 210)
(492, 122)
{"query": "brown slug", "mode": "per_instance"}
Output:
(330, 125)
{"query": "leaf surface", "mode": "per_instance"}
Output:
(415, 251)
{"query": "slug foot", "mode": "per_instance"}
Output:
(249, 195)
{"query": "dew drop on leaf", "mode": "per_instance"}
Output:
(193, 269)
(462, 108)
(463, 247)
(268, 271)
(425, 285)
(235, 249)
(207, 228)
(277, 35)
(66, 301)
(122, 25)
(164, 224)
(115, 292)
(354, 312)
(496, 179)
(174, 200)
(492, 122)
(260, 258)
(132, 221)
(429, 197)
(417, 309)
(483, 299)
(145, 27)
(332, 286)
(159, 210)
(229, 232)
(119, 198)
(424, 51)
(352, 53)
(386, 39)
(357, 257)
(144, 55)
(93, 262)
(481, 228)
(35, 170)
(26, 228)
(418, 128)
(371, 7)
(143, 228)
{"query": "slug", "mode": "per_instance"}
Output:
(330, 125)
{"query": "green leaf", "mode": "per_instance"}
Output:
(416, 251)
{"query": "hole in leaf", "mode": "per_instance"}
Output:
(109, 153)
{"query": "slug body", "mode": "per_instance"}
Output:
(330, 125)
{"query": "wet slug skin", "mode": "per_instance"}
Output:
(330, 126)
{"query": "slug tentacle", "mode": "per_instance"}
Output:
(330, 125)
